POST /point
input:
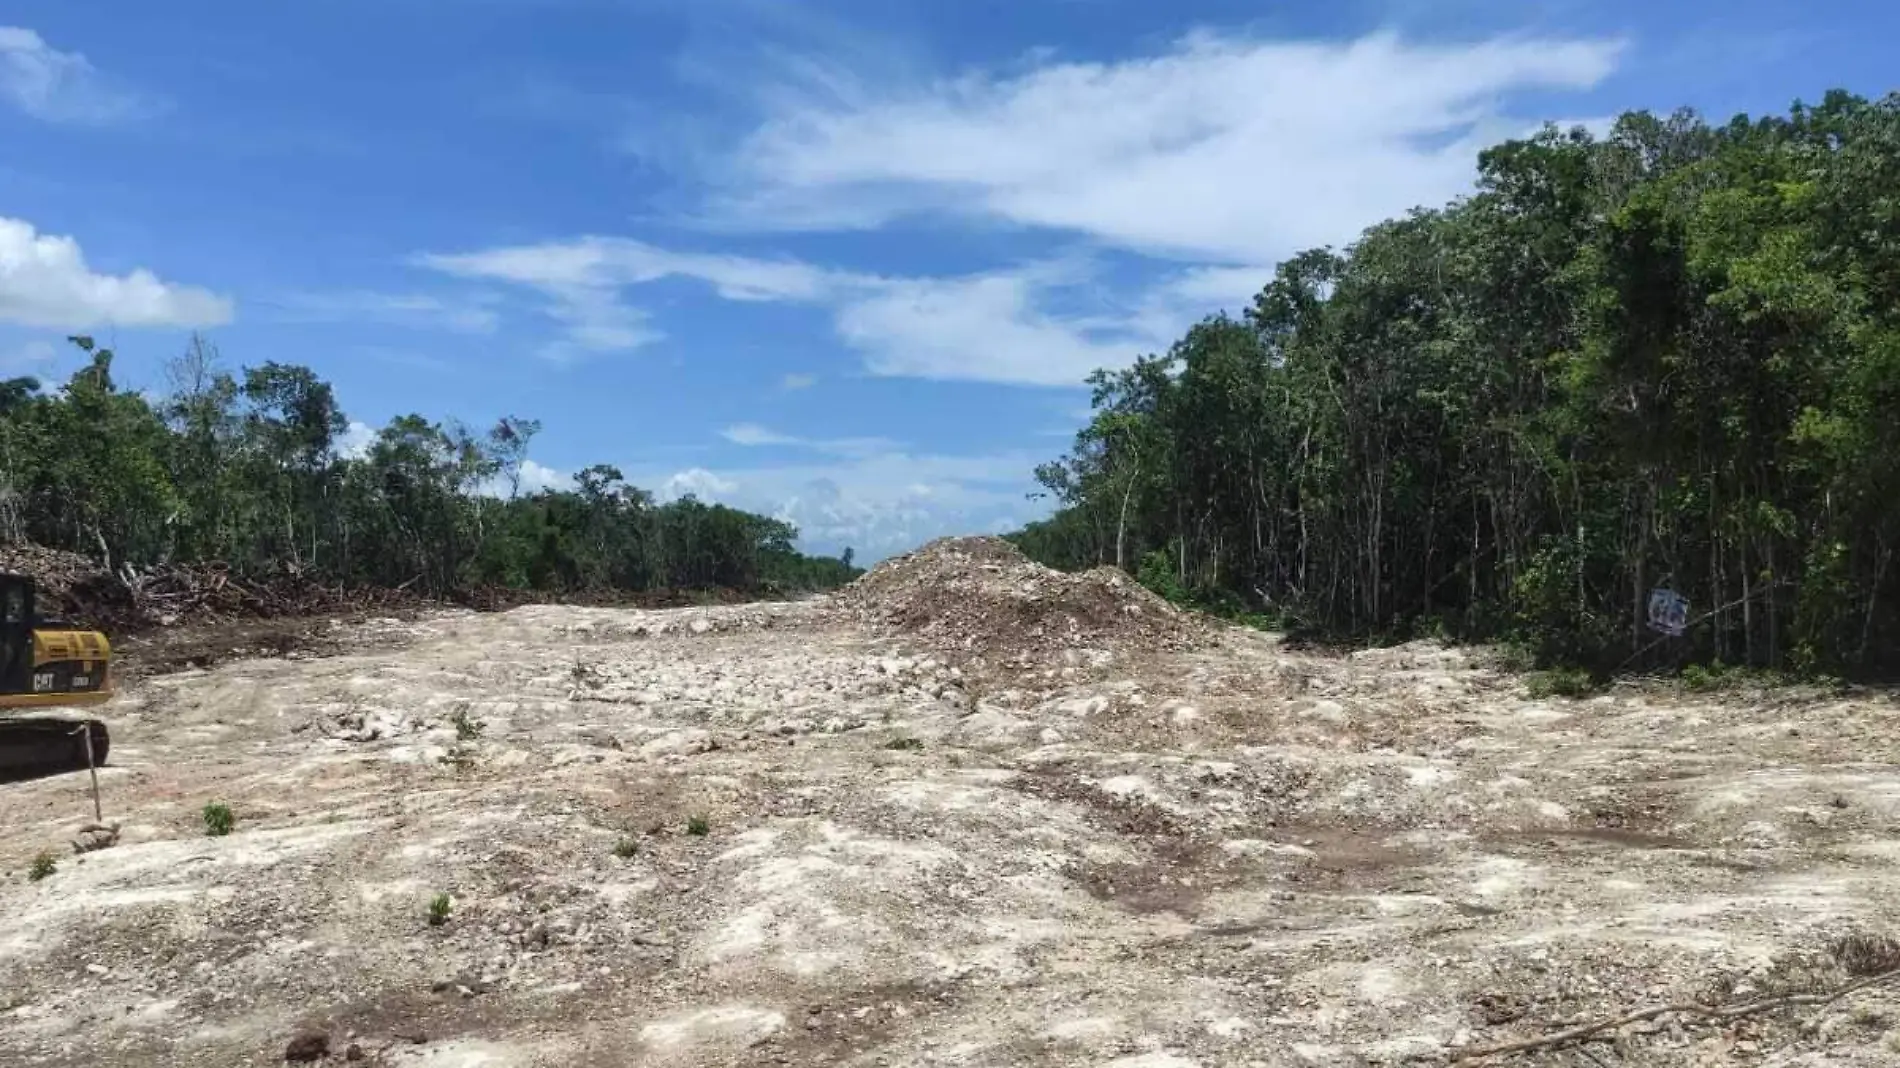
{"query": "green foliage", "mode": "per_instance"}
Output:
(251, 468)
(439, 908)
(1717, 676)
(1700, 678)
(467, 729)
(627, 848)
(1158, 573)
(43, 866)
(1669, 357)
(904, 744)
(1561, 682)
(218, 819)
(698, 826)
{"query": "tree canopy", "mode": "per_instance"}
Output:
(248, 468)
(1666, 358)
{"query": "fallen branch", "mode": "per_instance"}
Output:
(1718, 1012)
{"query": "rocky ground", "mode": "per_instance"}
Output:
(869, 831)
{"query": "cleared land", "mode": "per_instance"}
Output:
(968, 813)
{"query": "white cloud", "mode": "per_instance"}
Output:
(1222, 149)
(540, 478)
(356, 441)
(44, 282)
(57, 86)
(797, 381)
(582, 281)
(988, 328)
(993, 327)
(1232, 288)
(753, 435)
(473, 314)
(1222, 153)
(696, 482)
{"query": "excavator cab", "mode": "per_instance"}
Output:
(16, 633)
(45, 664)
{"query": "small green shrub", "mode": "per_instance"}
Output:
(1561, 682)
(43, 866)
(626, 848)
(439, 908)
(905, 744)
(585, 677)
(1157, 572)
(218, 819)
(1699, 678)
(1702, 678)
(698, 826)
(467, 729)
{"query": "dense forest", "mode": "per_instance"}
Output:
(1668, 358)
(247, 469)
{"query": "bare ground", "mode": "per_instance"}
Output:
(1231, 855)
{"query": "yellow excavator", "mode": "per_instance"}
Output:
(45, 664)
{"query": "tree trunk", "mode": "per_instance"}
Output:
(1121, 524)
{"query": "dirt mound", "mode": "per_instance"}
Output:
(983, 597)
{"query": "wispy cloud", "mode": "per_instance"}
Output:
(752, 435)
(797, 381)
(995, 326)
(472, 314)
(582, 282)
(45, 282)
(1217, 156)
(56, 86)
(1224, 148)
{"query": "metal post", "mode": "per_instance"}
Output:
(92, 769)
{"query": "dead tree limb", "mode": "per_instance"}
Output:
(1715, 1012)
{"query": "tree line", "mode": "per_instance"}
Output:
(1663, 359)
(248, 468)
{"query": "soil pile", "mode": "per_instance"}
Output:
(983, 597)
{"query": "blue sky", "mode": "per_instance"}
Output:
(846, 262)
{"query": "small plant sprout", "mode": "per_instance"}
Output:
(43, 866)
(698, 826)
(218, 819)
(627, 848)
(905, 744)
(439, 908)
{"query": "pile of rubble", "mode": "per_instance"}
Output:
(56, 572)
(982, 598)
(80, 590)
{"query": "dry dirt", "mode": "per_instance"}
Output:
(1134, 855)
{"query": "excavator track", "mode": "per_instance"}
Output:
(32, 746)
